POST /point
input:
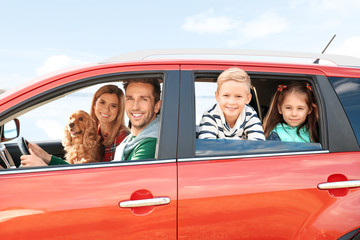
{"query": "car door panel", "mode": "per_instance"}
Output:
(266, 197)
(84, 203)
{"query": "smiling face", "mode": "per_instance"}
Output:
(140, 105)
(294, 109)
(106, 108)
(232, 96)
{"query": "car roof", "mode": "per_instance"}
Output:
(339, 60)
(342, 66)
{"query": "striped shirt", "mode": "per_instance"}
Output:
(248, 126)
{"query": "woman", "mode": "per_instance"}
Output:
(107, 109)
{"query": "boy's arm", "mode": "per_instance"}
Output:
(208, 128)
(253, 128)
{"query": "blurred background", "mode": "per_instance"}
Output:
(38, 36)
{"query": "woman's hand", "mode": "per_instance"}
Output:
(39, 152)
(31, 160)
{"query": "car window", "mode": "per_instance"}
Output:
(348, 90)
(205, 98)
(262, 92)
(48, 121)
(45, 124)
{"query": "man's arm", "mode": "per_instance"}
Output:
(144, 150)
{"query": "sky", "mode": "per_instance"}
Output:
(41, 36)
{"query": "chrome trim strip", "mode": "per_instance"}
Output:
(23, 170)
(252, 156)
(117, 164)
(337, 185)
(145, 202)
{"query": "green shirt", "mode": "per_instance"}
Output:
(290, 134)
(57, 161)
(144, 150)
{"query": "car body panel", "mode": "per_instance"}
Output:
(257, 195)
(84, 203)
(275, 197)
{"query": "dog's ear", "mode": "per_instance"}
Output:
(67, 140)
(91, 137)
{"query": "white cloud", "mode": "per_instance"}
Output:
(350, 47)
(207, 23)
(52, 128)
(240, 31)
(58, 62)
(264, 25)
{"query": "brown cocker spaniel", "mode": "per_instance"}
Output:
(81, 141)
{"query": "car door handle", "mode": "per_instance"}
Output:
(145, 202)
(339, 184)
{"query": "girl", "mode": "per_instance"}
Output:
(107, 109)
(292, 116)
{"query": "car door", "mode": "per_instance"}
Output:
(269, 195)
(116, 200)
(84, 203)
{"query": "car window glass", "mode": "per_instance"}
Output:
(205, 98)
(48, 121)
(348, 90)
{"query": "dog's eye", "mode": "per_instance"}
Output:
(80, 118)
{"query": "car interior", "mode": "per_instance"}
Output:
(263, 88)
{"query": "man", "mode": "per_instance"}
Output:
(142, 104)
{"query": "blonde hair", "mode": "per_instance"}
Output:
(234, 74)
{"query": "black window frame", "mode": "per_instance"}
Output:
(330, 140)
(349, 100)
(166, 148)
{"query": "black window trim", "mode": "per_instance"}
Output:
(166, 147)
(322, 90)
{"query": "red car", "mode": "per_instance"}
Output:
(194, 188)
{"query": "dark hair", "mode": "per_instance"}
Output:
(153, 81)
(273, 117)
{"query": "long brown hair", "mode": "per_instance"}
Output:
(119, 123)
(273, 117)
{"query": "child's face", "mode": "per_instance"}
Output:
(232, 97)
(294, 109)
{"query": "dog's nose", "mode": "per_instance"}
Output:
(71, 125)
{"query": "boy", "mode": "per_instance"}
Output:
(231, 117)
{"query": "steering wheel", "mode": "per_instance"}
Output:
(23, 146)
(6, 160)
